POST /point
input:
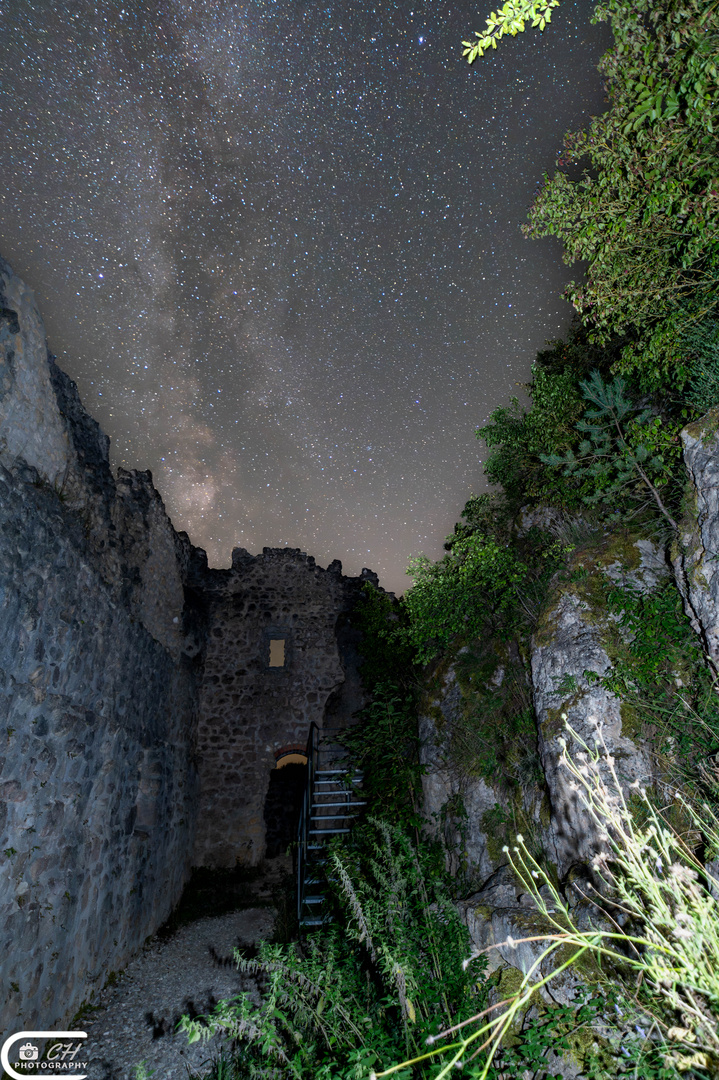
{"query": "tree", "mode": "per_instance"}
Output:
(510, 19)
(626, 454)
(645, 214)
(477, 580)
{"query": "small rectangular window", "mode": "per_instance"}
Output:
(277, 652)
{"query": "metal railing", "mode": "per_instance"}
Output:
(303, 831)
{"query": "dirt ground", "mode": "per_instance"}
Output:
(185, 969)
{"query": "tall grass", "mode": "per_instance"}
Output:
(370, 986)
(647, 873)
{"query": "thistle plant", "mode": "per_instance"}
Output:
(370, 985)
(653, 876)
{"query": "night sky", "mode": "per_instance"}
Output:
(277, 246)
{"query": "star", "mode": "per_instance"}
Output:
(278, 247)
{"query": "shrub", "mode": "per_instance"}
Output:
(702, 344)
(645, 213)
(374, 984)
(626, 455)
(650, 873)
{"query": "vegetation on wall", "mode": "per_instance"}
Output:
(596, 449)
(645, 213)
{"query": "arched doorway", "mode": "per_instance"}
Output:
(283, 802)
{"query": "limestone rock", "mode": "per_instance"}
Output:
(31, 427)
(469, 808)
(502, 932)
(465, 842)
(547, 518)
(569, 656)
(696, 553)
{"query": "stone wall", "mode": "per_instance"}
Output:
(250, 709)
(97, 691)
(97, 783)
(105, 617)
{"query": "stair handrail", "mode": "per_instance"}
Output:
(303, 831)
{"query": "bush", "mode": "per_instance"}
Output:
(669, 948)
(645, 213)
(374, 985)
(702, 344)
(519, 438)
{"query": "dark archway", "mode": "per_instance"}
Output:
(282, 807)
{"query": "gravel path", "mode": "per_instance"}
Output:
(188, 973)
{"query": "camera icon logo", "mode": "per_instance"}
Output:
(28, 1052)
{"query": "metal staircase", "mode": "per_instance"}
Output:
(330, 805)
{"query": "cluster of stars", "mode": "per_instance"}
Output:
(277, 245)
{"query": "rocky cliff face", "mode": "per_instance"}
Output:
(696, 553)
(571, 655)
(465, 753)
(490, 777)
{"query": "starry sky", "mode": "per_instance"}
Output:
(277, 245)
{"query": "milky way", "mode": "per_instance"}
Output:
(277, 246)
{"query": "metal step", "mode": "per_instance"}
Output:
(358, 778)
(345, 794)
(332, 805)
(336, 772)
(345, 798)
(337, 809)
(331, 772)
